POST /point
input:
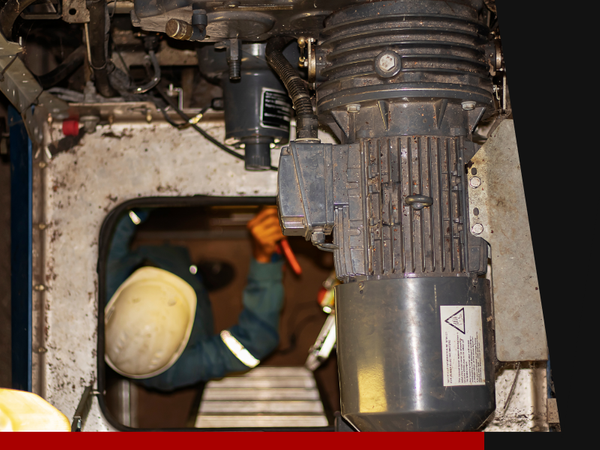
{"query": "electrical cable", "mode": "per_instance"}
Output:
(197, 128)
(64, 69)
(194, 119)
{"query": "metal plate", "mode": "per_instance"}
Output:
(496, 191)
(75, 11)
(77, 190)
(520, 399)
(17, 83)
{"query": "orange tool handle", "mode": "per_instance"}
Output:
(289, 255)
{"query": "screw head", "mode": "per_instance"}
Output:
(475, 182)
(477, 229)
(468, 106)
(387, 64)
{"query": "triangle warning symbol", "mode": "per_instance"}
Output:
(457, 320)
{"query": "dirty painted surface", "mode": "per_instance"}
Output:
(109, 167)
(112, 166)
(525, 408)
(496, 194)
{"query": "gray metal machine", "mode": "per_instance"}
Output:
(403, 86)
(411, 90)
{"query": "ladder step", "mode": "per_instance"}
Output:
(271, 397)
(275, 372)
(217, 393)
(263, 382)
(261, 407)
(260, 421)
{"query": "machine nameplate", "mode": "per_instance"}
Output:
(275, 109)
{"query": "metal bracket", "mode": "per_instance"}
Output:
(322, 347)
(75, 11)
(498, 214)
(16, 82)
(83, 409)
(22, 89)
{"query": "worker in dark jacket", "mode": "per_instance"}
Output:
(158, 321)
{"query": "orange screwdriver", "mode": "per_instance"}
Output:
(289, 255)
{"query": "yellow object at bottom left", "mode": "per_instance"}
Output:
(25, 411)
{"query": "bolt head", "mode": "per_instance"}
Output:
(387, 64)
(354, 107)
(468, 106)
(475, 182)
(477, 229)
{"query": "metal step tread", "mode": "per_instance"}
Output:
(263, 397)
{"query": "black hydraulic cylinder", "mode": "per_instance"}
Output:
(257, 113)
(258, 109)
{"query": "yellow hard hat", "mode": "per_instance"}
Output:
(25, 411)
(148, 322)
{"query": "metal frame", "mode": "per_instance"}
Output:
(21, 250)
(104, 239)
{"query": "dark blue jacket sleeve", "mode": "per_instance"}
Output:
(121, 260)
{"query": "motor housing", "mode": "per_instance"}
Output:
(402, 84)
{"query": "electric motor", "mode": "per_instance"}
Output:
(402, 84)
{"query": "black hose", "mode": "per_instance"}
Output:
(64, 69)
(123, 83)
(207, 136)
(306, 121)
(98, 40)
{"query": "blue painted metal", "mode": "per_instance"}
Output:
(21, 230)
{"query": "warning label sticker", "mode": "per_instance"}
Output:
(462, 345)
(275, 110)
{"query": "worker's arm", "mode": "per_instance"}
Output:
(121, 260)
(124, 231)
(257, 329)
(209, 357)
(257, 332)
